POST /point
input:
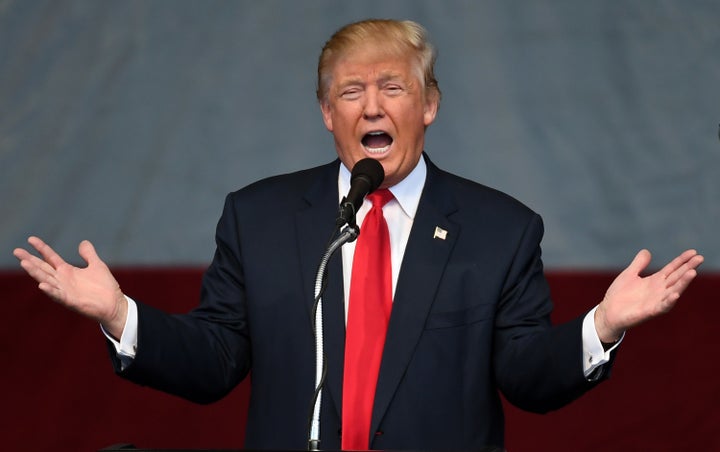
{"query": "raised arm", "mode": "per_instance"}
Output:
(632, 299)
(91, 291)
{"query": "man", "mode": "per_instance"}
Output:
(470, 305)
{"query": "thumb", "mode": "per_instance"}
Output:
(640, 262)
(88, 253)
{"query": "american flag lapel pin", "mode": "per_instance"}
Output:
(440, 233)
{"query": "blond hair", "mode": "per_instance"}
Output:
(393, 36)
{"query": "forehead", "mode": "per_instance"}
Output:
(373, 61)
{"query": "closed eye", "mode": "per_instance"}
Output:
(351, 93)
(393, 90)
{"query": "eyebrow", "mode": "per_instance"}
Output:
(390, 77)
(350, 81)
(382, 78)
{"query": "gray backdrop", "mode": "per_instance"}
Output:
(127, 122)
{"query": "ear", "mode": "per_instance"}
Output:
(432, 102)
(326, 114)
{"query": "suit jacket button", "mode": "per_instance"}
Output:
(379, 433)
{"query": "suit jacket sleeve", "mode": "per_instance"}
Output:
(203, 355)
(538, 367)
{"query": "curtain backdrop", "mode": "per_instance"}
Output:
(127, 123)
(59, 392)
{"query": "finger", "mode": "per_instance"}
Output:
(52, 291)
(30, 259)
(679, 261)
(39, 270)
(50, 256)
(673, 271)
(640, 262)
(668, 303)
(88, 253)
(683, 282)
(21, 254)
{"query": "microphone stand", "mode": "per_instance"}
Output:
(348, 234)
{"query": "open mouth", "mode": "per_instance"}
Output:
(376, 142)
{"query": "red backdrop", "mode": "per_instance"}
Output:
(59, 391)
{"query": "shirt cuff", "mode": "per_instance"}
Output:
(594, 354)
(127, 345)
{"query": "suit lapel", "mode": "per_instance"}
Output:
(312, 238)
(426, 256)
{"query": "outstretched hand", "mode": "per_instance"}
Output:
(632, 299)
(91, 291)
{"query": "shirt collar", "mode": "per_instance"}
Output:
(407, 192)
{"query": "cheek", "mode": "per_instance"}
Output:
(343, 122)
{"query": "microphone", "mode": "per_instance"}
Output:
(366, 177)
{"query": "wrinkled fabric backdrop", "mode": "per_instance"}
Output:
(127, 123)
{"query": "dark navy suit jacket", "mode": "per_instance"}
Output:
(470, 318)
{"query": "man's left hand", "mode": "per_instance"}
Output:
(632, 299)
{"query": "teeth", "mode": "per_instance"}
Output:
(377, 150)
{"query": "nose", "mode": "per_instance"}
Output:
(373, 105)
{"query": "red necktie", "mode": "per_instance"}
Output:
(368, 316)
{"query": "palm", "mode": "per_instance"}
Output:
(84, 289)
(91, 291)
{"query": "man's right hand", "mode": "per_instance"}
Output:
(92, 291)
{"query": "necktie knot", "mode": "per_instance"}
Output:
(380, 197)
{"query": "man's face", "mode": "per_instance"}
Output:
(376, 107)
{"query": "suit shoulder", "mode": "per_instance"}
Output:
(285, 186)
(478, 197)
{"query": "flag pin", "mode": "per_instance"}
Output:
(440, 233)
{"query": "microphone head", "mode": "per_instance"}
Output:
(370, 170)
